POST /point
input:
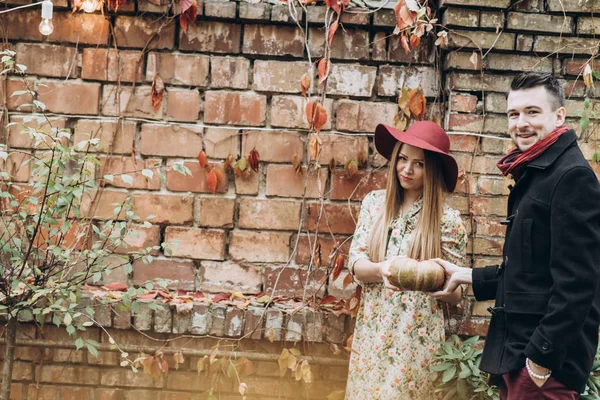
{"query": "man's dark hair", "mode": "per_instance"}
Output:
(528, 80)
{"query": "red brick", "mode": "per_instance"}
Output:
(221, 142)
(70, 97)
(489, 206)
(18, 166)
(257, 11)
(112, 65)
(363, 116)
(226, 277)
(351, 80)
(563, 45)
(284, 181)
(253, 246)
(463, 103)
(485, 165)
(496, 145)
(109, 394)
(487, 246)
(356, 188)
(247, 185)
(342, 148)
(167, 209)
(477, 123)
(41, 392)
(113, 138)
(572, 6)
(327, 245)
(216, 212)
(480, 39)
(69, 27)
(269, 214)
(390, 76)
(211, 36)
(184, 271)
(139, 106)
(139, 238)
(380, 46)
(489, 226)
(337, 218)
(19, 136)
(126, 377)
(469, 82)
(17, 102)
(183, 105)
(47, 60)
(170, 140)
(178, 69)
(279, 76)
(196, 183)
(104, 205)
(422, 55)
(220, 9)
(23, 25)
(575, 66)
(162, 6)
(491, 185)
(464, 143)
(290, 112)
(461, 17)
(206, 244)
(235, 108)
(351, 44)
(294, 282)
(69, 374)
(274, 40)
(524, 43)
(540, 22)
(139, 30)
(117, 166)
(229, 72)
(278, 146)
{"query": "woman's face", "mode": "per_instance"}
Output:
(410, 168)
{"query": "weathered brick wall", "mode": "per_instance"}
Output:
(239, 67)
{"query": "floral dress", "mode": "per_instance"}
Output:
(396, 333)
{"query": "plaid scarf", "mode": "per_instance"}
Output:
(513, 162)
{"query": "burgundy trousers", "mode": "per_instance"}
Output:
(517, 385)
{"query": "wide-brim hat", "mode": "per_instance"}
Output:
(425, 135)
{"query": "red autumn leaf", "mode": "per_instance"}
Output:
(219, 174)
(417, 103)
(351, 167)
(339, 265)
(158, 92)
(184, 4)
(404, 43)
(407, 16)
(316, 115)
(150, 295)
(228, 163)
(348, 281)
(333, 4)
(397, 8)
(212, 181)
(253, 159)
(297, 164)
(198, 295)
(188, 17)
(363, 158)
(305, 83)
(415, 41)
(332, 28)
(202, 159)
(117, 286)
(314, 146)
(221, 296)
(328, 300)
(324, 67)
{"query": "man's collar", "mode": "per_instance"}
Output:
(549, 156)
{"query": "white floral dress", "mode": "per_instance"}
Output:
(396, 333)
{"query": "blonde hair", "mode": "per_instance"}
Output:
(426, 240)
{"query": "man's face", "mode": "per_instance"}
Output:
(532, 116)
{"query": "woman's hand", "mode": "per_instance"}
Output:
(384, 270)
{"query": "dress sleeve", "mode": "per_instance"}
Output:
(454, 238)
(359, 248)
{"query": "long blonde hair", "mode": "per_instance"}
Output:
(426, 240)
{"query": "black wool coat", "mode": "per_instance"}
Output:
(547, 287)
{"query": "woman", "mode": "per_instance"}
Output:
(397, 331)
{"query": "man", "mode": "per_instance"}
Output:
(544, 328)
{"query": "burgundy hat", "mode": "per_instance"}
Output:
(425, 135)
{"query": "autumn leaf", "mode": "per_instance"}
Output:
(158, 92)
(185, 4)
(403, 100)
(297, 164)
(407, 15)
(363, 159)
(307, 376)
(305, 83)
(333, 4)
(351, 167)
(400, 122)
(188, 16)
(220, 297)
(201, 365)
(332, 29)
(316, 115)
(339, 266)
(253, 159)
(202, 159)
(332, 164)
(242, 388)
(212, 181)
(228, 163)
(117, 286)
(314, 146)
(178, 358)
(323, 68)
(474, 60)
(415, 41)
(271, 335)
(244, 367)
(442, 39)
(348, 280)
(588, 76)
(213, 355)
(283, 362)
(417, 103)
(404, 43)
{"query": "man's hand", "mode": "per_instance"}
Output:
(537, 369)
(455, 276)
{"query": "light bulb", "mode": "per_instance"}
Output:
(46, 26)
(89, 6)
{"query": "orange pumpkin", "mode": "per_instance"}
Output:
(413, 275)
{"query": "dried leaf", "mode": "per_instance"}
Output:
(335, 349)
(351, 167)
(474, 60)
(403, 100)
(349, 342)
(307, 376)
(117, 286)
(314, 146)
(213, 355)
(339, 266)
(271, 335)
(158, 92)
(332, 29)
(404, 43)
(220, 297)
(323, 68)
(348, 280)
(242, 388)
(334, 4)
(417, 103)
(442, 39)
(412, 5)
(228, 163)
(408, 16)
(202, 159)
(317, 254)
(415, 41)
(297, 164)
(363, 159)
(178, 358)
(316, 115)
(400, 122)
(283, 361)
(201, 365)
(244, 367)
(188, 17)
(588, 76)
(305, 83)
(254, 159)
(212, 181)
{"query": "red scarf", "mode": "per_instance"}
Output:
(516, 159)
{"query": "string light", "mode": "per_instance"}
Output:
(46, 26)
(89, 6)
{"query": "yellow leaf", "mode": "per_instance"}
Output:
(292, 361)
(213, 354)
(283, 362)
(244, 367)
(474, 59)
(298, 374)
(201, 365)
(403, 100)
(295, 352)
(271, 335)
(238, 295)
(306, 372)
(400, 122)
(242, 388)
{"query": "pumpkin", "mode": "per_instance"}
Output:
(410, 274)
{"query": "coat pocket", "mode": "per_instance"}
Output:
(526, 303)
(527, 247)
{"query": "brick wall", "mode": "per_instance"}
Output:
(232, 83)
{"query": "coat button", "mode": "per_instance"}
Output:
(545, 346)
